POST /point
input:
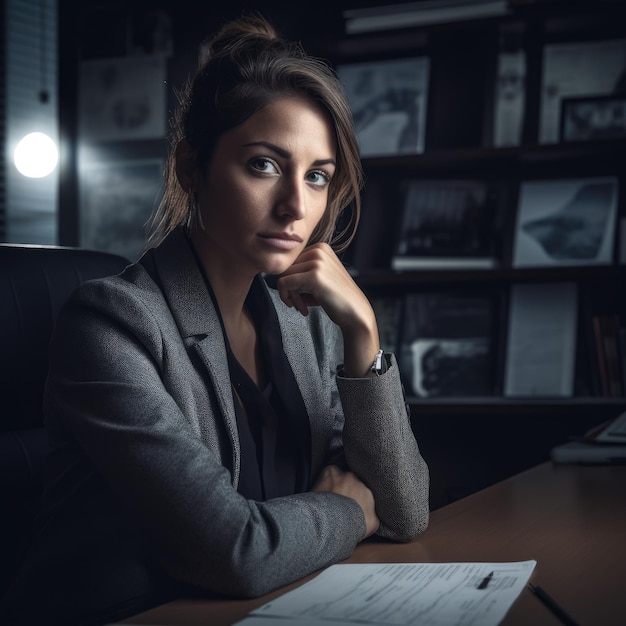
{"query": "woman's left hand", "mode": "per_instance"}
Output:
(318, 278)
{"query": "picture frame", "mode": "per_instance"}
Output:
(448, 344)
(541, 340)
(593, 118)
(447, 224)
(578, 69)
(123, 99)
(566, 222)
(388, 99)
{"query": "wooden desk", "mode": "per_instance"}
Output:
(570, 519)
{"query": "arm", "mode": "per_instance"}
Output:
(378, 441)
(108, 387)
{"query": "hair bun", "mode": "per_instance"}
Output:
(241, 32)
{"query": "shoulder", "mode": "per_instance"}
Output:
(129, 288)
(130, 299)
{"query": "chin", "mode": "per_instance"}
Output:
(278, 263)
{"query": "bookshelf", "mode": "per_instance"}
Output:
(466, 138)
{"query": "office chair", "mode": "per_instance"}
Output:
(35, 281)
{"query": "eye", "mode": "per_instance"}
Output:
(320, 178)
(264, 165)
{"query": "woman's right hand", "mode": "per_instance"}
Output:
(334, 479)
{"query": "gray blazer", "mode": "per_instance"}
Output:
(139, 394)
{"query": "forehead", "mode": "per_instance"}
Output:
(295, 124)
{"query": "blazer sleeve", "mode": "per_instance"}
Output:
(106, 391)
(380, 447)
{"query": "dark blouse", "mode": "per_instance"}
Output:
(274, 429)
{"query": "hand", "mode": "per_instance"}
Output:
(335, 480)
(318, 278)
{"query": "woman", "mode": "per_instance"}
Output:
(210, 433)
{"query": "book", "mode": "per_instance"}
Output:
(566, 222)
(588, 453)
(388, 100)
(608, 350)
(541, 339)
(447, 345)
(509, 97)
(447, 224)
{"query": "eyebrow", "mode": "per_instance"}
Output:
(285, 154)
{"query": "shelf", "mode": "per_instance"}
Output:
(390, 278)
(599, 153)
(564, 407)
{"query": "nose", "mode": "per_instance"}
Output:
(291, 199)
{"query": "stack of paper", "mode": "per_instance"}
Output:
(437, 594)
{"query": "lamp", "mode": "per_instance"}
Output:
(36, 155)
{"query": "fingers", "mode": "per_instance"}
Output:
(300, 300)
(348, 484)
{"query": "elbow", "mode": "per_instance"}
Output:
(408, 531)
(414, 530)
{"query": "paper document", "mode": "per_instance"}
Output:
(381, 594)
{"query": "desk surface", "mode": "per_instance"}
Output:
(571, 519)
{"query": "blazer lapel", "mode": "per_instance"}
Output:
(199, 325)
(301, 354)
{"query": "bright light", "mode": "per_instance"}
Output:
(36, 155)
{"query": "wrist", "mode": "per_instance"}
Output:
(360, 353)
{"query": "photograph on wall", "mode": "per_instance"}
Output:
(123, 99)
(447, 224)
(447, 344)
(388, 101)
(541, 341)
(116, 203)
(589, 68)
(566, 222)
(593, 119)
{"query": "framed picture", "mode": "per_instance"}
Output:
(447, 344)
(388, 101)
(541, 341)
(566, 222)
(447, 224)
(116, 202)
(583, 68)
(593, 118)
(123, 99)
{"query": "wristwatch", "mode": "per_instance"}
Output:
(379, 366)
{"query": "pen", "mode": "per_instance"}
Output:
(485, 581)
(553, 605)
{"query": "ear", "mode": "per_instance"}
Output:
(185, 165)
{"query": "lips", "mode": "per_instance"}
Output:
(281, 241)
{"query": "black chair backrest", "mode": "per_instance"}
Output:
(35, 281)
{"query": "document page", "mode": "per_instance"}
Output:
(437, 594)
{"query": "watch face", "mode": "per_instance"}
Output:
(378, 366)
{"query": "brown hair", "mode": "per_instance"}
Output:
(247, 66)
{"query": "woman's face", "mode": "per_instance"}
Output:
(266, 189)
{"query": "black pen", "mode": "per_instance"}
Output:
(553, 605)
(485, 581)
